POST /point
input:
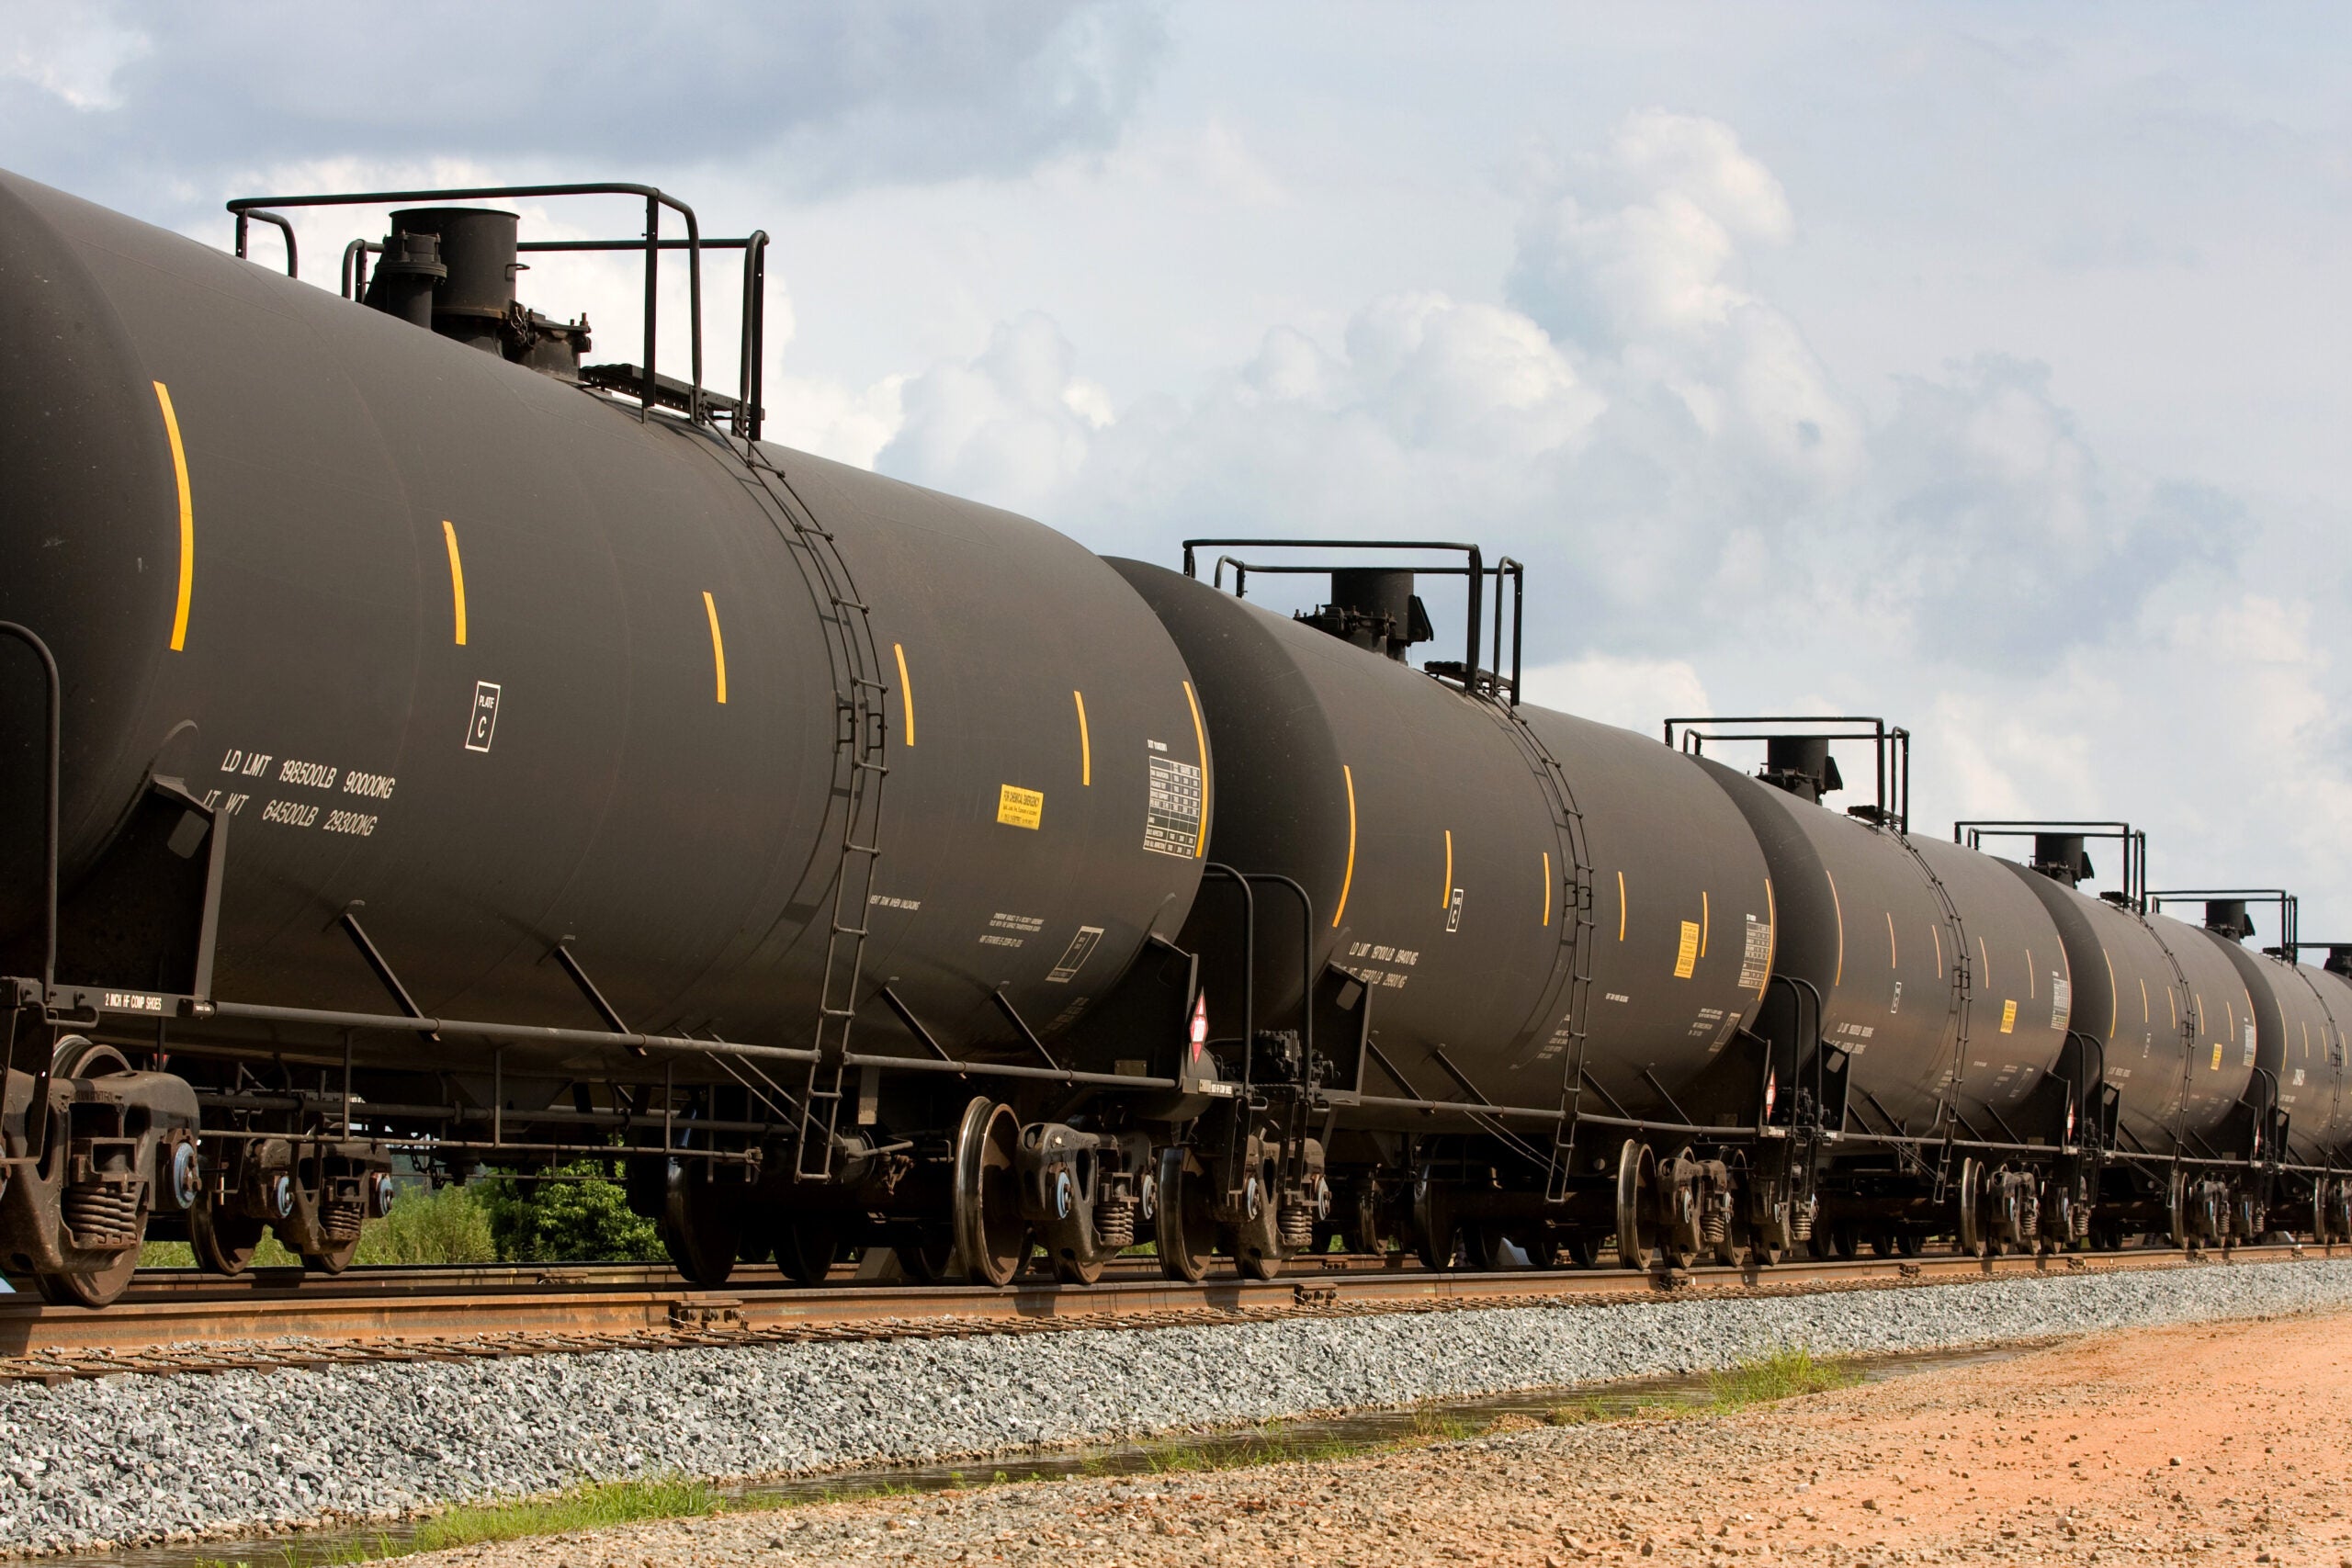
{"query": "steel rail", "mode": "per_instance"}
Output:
(30, 1331)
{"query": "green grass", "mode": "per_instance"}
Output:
(1784, 1374)
(582, 1508)
(449, 1226)
(1760, 1379)
(270, 1254)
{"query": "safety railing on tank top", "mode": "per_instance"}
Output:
(1891, 745)
(1488, 682)
(651, 390)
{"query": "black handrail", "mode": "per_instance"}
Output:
(1974, 833)
(652, 245)
(752, 352)
(52, 810)
(1894, 773)
(752, 370)
(2289, 907)
(1305, 956)
(1476, 572)
(285, 228)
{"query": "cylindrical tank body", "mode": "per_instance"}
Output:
(2321, 1128)
(509, 664)
(2209, 1004)
(1447, 875)
(2294, 1039)
(2140, 992)
(1904, 938)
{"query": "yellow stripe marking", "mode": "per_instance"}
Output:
(2029, 980)
(1620, 905)
(1085, 743)
(1547, 912)
(187, 518)
(1937, 932)
(1201, 740)
(1836, 908)
(718, 647)
(2114, 1003)
(2143, 999)
(1773, 941)
(1347, 878)
(1702, 922)
(457, 583)
(1445, 894)
(1985, 956)
(2172, 1000)
(1892, 963)
(905, 691)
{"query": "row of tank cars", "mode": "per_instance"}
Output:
(423, 746)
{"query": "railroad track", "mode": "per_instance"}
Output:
(470, 1313)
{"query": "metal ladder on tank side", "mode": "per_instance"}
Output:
(1963, 992)
(860, 769)
(1576, 935)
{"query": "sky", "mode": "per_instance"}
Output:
(1976, 366)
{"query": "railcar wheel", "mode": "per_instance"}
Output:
(1969, 1240)
(1071, 1271)
(807, 1248)
(1680, 1229)
(1257, 1241)
(1482, 1246)
(1583, 1250)
(1636, 1206)
(989, 1231)
(1360, 1228)
(90, 1287)
(1183, 1226)
(2177, 1209)
(223, 1243)
(1910, 1241)
(929, 1256)
(334, 1261)
(700, 1233)
(1542, 1245)
(1437, 1235)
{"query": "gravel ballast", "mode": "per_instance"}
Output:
(137, 1459)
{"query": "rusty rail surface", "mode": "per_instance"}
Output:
(186, 1326)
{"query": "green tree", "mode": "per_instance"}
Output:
(575, 1214)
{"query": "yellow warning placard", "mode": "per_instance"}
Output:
(2009, 1016)
(1018, 808)
(2216, 1058)
(1686, 958)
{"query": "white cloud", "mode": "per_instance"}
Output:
(73, 53)
(1012, 426)
(1712, 522)
(1634, 693)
